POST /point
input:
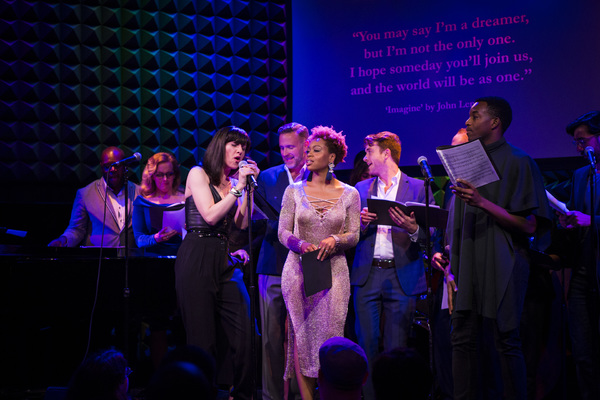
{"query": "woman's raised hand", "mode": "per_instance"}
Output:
(249, 168)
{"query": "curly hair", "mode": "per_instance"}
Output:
(148, 186)
(386, 140)
(335, 141)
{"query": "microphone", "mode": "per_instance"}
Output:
(425, 170)
(589, 154)
(136, 157)
(251, 180)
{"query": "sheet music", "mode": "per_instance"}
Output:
(556, 204)
(174, 216)
(468, 161)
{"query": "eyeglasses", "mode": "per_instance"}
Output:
(582, 142)
(161, 175)
(128, 371)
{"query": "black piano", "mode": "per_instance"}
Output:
(47, 298)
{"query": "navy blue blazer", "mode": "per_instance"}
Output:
(272, 183)
(407, 254)
(580, 201)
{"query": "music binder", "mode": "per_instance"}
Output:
(437, 216)
(316, 273)
(172, 215)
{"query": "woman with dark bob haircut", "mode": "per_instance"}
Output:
(209, 300)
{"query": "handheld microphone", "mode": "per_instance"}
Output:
(251, 180)
(136, 157)
(425, 170)
(589, 154)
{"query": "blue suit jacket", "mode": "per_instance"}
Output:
(271, 185)
(580, 201)
(407, 254)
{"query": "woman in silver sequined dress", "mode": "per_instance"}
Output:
(320, 213)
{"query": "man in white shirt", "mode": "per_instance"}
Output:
(388, 272)
(91, 224)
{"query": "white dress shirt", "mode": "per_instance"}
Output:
(117, 201)
(383, 241)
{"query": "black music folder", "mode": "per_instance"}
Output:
(317, 274)
(437, 216)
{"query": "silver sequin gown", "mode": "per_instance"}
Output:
(321, 316)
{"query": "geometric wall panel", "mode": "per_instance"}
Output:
(148, 76)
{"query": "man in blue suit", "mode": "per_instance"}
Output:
(583, 305)
(387, 273)
(271, 185)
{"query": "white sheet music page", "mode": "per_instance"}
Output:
(468, 161)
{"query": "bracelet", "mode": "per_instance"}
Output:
(300, 243)
(235, 192)
(337, 241)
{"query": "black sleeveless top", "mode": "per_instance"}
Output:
(194, 220)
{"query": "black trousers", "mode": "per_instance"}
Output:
(467, 334)
(215, 306)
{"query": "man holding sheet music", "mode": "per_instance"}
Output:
(271, 185)
(491, 232)
(387, 273)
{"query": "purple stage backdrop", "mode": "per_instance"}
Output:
(415, 68)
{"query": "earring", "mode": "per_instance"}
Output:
(329, 173)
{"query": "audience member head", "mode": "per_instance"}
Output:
(383, 151)
(343, 369)
(161, 174)
(360, 171)
(113, 175)
(292, 144)
(460, 137)
(218, 158)
(401, 373)
(179, 380)
(102, 376)
(585, 131)
(197, 356)
(335, 141)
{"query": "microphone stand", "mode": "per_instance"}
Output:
(252, 294)
(126, 291)
(429, 274)
(593, 230)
